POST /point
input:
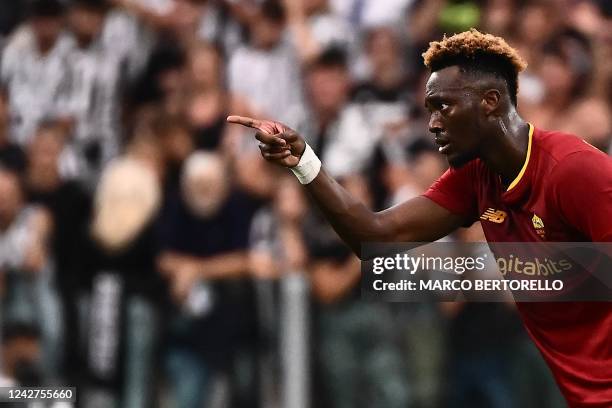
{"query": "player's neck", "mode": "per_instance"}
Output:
(507, 151)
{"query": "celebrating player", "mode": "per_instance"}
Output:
(523, 183)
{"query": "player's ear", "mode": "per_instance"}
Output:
(490, 101)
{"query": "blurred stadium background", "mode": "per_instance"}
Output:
(151, 258)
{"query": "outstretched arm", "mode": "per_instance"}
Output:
(416, 220)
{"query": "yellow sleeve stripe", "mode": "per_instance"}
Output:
(520, 175)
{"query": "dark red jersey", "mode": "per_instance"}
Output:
(563, 193)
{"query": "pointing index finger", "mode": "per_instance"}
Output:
(245, 121)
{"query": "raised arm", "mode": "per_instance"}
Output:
(416, 220)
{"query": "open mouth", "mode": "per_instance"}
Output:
(443, 145)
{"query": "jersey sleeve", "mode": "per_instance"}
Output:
(581, 190)
(455, 190)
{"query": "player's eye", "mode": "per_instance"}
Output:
(444, 106)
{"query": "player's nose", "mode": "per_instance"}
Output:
(435, 125)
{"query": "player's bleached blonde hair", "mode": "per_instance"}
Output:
(477, 51)
(469, 44)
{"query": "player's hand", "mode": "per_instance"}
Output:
(278, 143)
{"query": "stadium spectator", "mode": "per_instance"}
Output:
(69, 208)
(125, 295)
(21, 356)
(276, 253)
(97, 77)
(314, 28)
(34, 69)
(203, 242)
(338, 130)
(161, 89)
(266, 71)
(208, 102)
(129, 38)
(568, 102)
(374, 365)
(498, 17)
(386, 79)
(276, 242)
(30, 295)
(410, 177)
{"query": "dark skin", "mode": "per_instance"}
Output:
(470, 116)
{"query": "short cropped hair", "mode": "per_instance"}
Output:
(273, 11)
(331, 57)
(97, 6)
(45, 8)
(477, 52)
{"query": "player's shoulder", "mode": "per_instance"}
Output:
(571, 159)
(561, 147)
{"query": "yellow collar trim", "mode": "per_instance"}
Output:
(522, 172)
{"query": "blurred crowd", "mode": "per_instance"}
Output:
(143, 241)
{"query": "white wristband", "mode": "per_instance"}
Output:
(308, 167)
